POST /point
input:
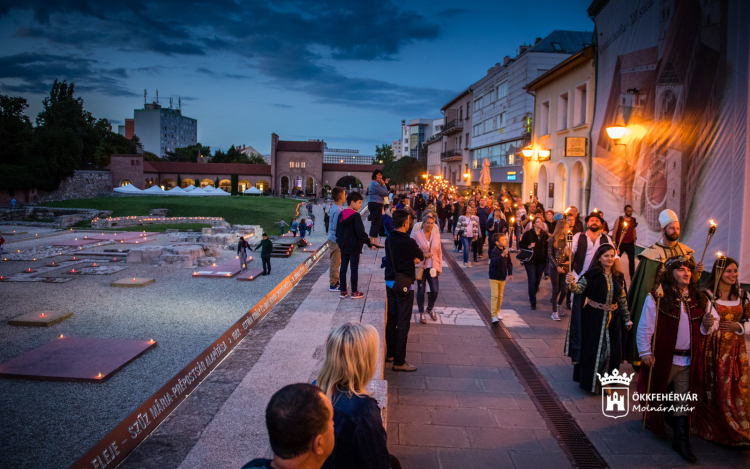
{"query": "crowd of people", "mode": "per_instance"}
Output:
(681, 337)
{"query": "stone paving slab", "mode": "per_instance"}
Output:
(40, 318)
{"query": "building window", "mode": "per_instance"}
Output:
(544, 121)
(303, 164)
(562, 111)
(490, 98)
(291, 164)
(581, 105)
(477, 104)
(488, 125)
(467, 140)
(502, 120)
(461, 113)
(477, 130)
(502, 90)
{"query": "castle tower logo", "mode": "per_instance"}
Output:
(615, 394)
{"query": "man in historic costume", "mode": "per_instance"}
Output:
(585, 245)
(650, 262)
(684, 315)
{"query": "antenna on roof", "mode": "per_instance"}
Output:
(179, 103)
(157, 96)
(145, 93)
(170, 103)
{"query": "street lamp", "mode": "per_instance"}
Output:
(467, 175)
(543, 154)
(528, 152)
(616, 133)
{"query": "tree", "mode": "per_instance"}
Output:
(188, 154)
(216, 182)
(384, 154)
(16, 132)
(404, 171)
(138, 145)
(235, 179)
(256, 158)
(148, 156)
(235, 156)
(113, 144)
(179, 180)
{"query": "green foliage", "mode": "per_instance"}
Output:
(179, 179)
(148, 156)
(384, 154)
(404, 171)
(235, 156)
(263, 211)
(15, 130)
(216, 182)
(113, 144)
(188, 154)
(234, 178)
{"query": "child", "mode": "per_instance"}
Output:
(295, 225)
(387, 225)
(242, 248)
(338, 196)
(266, 247)
(350, 236)
(501, 267)
(311, 222)
(282, 224)
(302, 228)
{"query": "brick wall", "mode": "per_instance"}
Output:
(127, 167)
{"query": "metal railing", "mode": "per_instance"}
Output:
(453, 126)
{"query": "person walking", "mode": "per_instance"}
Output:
(442, 213)
(466, 232)
(419, 205)
(401, 253)
(558, 260)
(266, 248)
(428, 271)
(327, 216)
(302, 228)
(242, 248)
(337, 194)
(535, 240)
(13, 203)
(482, 214)
(294, 227)
(458, 209)
(351, 236)
(378, 193)
(282, 224)
(626, 241)
(501, 268)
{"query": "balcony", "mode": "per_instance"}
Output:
(451, 155)
(453, 126)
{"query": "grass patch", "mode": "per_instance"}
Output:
(162, 228)
(263, 211)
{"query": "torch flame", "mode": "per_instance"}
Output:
(712, 222)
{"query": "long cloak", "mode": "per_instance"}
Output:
(650, 262)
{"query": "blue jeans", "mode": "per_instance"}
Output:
(434, 286)
(534, 273)
(465, 244)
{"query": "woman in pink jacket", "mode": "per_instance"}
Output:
(428, 239)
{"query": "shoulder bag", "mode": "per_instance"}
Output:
(402, 283)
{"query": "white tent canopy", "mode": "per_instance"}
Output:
(189, 188)
(219, 193)
(129, 189)
(197, 193)
(208, 189)
(176, 191)
(154, 190)
(253, 190)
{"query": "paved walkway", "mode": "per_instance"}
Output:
(621, 442)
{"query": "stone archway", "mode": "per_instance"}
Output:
(348, 181)
(125, 182)
(284, 185)
(309, 185)
(207, 182)
(243, 184)
(225, 185)
(187, 182)
(168, 183)
(263, 185)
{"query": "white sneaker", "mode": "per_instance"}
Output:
(495, 319)
(555, 317)
(466, 265)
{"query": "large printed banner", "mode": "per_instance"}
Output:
(675, 73)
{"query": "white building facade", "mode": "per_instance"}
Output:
(163, 130)
(502, 111)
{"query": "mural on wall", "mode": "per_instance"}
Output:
(667, 74)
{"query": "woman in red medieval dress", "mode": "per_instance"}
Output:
(723, 409)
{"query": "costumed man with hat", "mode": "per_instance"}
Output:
(585, 245)
(650, 262)
(674, 325)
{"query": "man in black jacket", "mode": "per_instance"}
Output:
(402, 253)
(351, 236)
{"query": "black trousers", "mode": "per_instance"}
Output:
(629, 249)
(482, 239)
(266, 260)
(398, 320)
(559, 288)
(347, 260)
(534, 273)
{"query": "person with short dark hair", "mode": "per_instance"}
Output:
(401, 253)
(242, 248)
(378, 193)
(351, 236)
(266, 248)
(338, 196)
(299, 419)
(626, 241)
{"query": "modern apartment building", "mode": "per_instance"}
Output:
(502, 111)
(415, 134)
(345, 156)
(162, 129)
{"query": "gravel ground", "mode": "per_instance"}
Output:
(51, 424)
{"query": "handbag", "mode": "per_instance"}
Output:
(524, 255)
(402, 283)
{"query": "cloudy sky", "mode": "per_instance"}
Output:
(343, 71)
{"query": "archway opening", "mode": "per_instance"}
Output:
(348, 182)
(285, 185)
(125, 182)
(577, 186)
(187, 182)
(207, 182)
(168, 183)
(243, 184)
(263, 185)
(543, 188)
(560, 182)
(225, 185)
(309, 186)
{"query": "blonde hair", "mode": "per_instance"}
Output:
(351, 359)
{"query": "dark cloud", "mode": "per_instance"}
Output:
(36, 72)
(288, 41)
(452, 12)
(282, 106)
